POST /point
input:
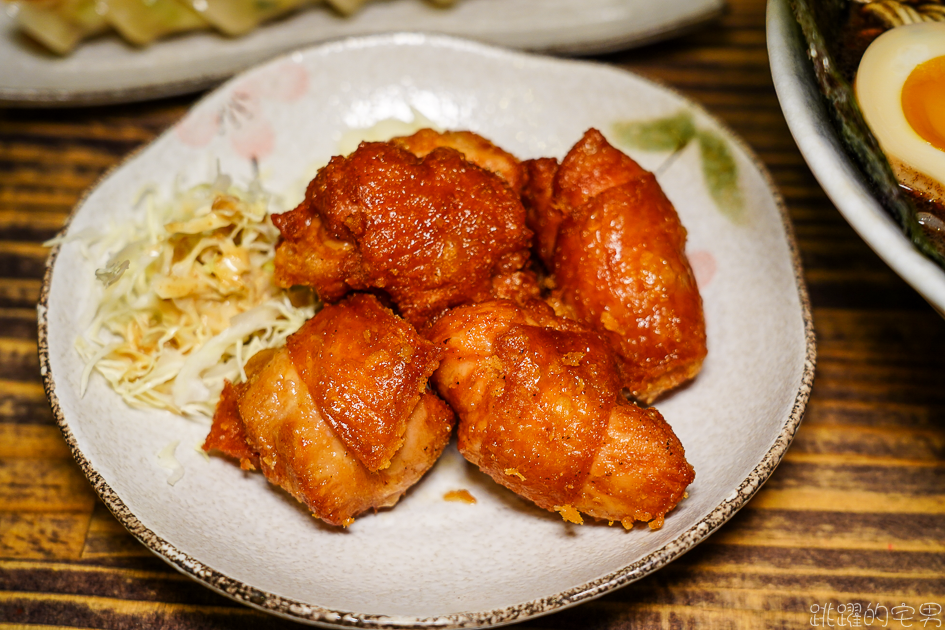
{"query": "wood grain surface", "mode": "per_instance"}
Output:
(854, 514)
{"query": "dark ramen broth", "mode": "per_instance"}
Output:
(934, 207)
(856, 30)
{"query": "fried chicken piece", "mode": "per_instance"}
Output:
(541, 413)
(619, 265)
(341, 417)
(227, 433)
(592, 166)
(365, 369)
(538, 198)
(431, 232)
(519, 286)
(474, 148)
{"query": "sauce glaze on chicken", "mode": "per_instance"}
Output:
(533, 354)
(340, 418)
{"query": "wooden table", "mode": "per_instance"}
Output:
(854, 513)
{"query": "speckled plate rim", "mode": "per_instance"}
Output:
(302, 612)
(839, 176)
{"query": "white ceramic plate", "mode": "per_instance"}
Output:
(842, 180)
(106, 70)
(429, 562)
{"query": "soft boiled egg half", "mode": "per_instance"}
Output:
(900, 86)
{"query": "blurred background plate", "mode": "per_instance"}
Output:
(106, 70)
(835, 169)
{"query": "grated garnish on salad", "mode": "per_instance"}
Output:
(187, 297)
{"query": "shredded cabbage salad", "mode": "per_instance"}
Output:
(187, 297)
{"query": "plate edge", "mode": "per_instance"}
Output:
(299, 611)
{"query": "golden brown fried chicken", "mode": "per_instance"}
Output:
(431, 232)
(541, 215)
(366, 370)
(619, 264)
(474, 148)
(592, 166)
(341, 417)
(540, 412)
(228, 434)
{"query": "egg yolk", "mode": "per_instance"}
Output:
(923, 101)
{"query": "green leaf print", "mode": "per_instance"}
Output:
(721, 174)
(674, 133)
(657, 134)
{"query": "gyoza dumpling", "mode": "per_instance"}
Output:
(143, 21)
(346, 7)
(59, 25)
(236, 17)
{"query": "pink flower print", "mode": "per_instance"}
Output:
(241, 117)
(198, 129)
(286, 82)
(251, 135)
(704, 266)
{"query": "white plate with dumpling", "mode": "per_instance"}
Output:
(428, 561)
(106, 69)
(835, 169)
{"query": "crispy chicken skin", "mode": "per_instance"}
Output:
(365, 369)
(431, 232)
(227, 434)
(441, 225)
(540, 412)
(551, 192)
(340, 418)
(591, 166)
(541, 215)
(474, 148)
(619, 264)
